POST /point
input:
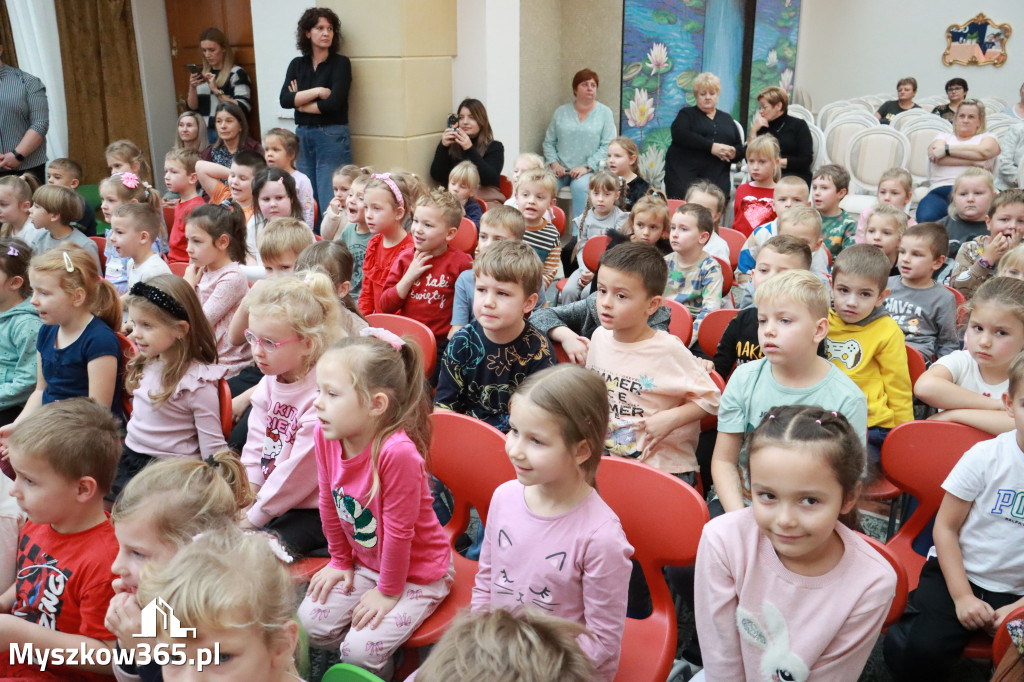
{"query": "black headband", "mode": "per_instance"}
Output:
(160, 299)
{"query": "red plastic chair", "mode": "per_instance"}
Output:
(1002, 640)
(710, 421)
(735, 240)
(465, 237)
(227, 420)
(168, 217)
(469, 457)
(899, 601)
(101, 247)
(961, 301)
(681, 322)
(673, 204)
(406, 326)
(559, 218)
(505, 185)
(638, 493)
(178, 268)
(711, 329)
(916, 364)
(593, 249)
(482, 203)
(303, 570)
(128, 351)
(726, 281)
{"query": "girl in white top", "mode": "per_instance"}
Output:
(784, 589)
(968, 385)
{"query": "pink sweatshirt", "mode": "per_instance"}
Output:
(824, 626)
(574, 565)
(187, 424)
(278, 453)
(220, 292)
(396, 533)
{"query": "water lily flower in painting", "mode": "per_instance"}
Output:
(641, 109)
(657, 58)
(773, 57)
(652, 166)
(786, 80)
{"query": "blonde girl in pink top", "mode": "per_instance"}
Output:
(391, 564)
(784, 589)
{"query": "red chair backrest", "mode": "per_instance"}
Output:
(917, 456)
(899, 600)
(961, 301)
(681, 322)
(726, 280)
(673, 204)
(916, 363)
(710, 421)
(465, 238)
(559, 218)
(406, 326)
(482, 204)
(1002, 640)
(101, 247)
(711, 329)
(735, 240)
(469, 457)
(178, 268)
(593, 249)
(168, 217)
(227, 420)
(505, 185)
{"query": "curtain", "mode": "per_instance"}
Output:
(6, 37)
(103, 83)
(31, 19)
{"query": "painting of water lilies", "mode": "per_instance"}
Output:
(667, 43)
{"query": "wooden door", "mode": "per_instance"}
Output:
(186, 19)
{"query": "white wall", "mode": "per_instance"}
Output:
(487, 66)
(154, 51)
(273, 35)
(848, 49)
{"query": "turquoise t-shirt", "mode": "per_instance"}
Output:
(752, 391)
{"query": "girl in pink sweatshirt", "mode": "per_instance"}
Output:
(784, 589)
(292, 321)
(551, 542)
(391, 564)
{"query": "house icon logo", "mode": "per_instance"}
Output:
(159, 609)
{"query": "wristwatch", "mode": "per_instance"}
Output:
(947, 149)
(984, 263)
(19, 157)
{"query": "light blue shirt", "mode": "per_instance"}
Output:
(574, 143)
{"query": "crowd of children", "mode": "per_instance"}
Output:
(129, 483)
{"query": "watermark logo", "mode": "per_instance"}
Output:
(159, 614)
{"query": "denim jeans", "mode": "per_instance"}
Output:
(935, 205)
(580, 188)
(322, 149)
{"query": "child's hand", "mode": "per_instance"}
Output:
(650, 431)
(706, 364)
(372, 608)
(321, 584)
(996, 248)
(193, 274)
(5, 433)
(124, 617)
(577, 349)
(973, 613)
(419, 266)
(336, 206)
(1000, 614)
(586, 277)
(169, 203)
(238, 406)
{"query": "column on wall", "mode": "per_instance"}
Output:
(401, 52)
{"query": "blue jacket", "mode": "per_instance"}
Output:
(19, 328)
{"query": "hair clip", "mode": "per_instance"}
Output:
(211, 462)
(69, 264)
(834, 413)
(771, 416)
(11, 251)
(226, 204)
(386, 179)
(279, 181)
(388, 337)
(161, 299)
(130, 180)
(308, 279)
(817, 421)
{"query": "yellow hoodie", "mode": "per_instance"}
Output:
(872, 353)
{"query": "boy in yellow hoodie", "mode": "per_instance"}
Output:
(867, 344)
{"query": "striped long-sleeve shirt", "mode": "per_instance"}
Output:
(22, 107)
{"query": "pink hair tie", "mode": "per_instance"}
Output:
(386, 179)
(130, 180)
(388, 337)
(11, 251)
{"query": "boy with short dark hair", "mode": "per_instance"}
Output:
(657, 390)
(867, 344)
(489, 357)
(923, 309)
(68, 173)
(67, 545)
(838, 228)
(534, 195)
(239, 177)
(421, 284)
(792, 316)
(180, 177)
(54, 208)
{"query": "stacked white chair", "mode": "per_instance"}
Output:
(994, 105)
(870, 153)
(905, 118)
(801, 112)
(818, 137)
(830, 111)
(998, 124)
(840, 132)
(855, 114)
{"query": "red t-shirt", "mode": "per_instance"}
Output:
(63, 584)
(176, 241)
(376, 267)
(753, 208)
(430, 297)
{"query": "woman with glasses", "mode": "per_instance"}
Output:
(794, 136)
(956, 91)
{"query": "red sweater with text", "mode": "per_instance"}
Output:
(431, 296)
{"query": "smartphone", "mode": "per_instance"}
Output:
(194, 68)
(453, 120)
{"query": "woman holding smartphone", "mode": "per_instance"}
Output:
(219, 80)
(468, 137)
(316, 85)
